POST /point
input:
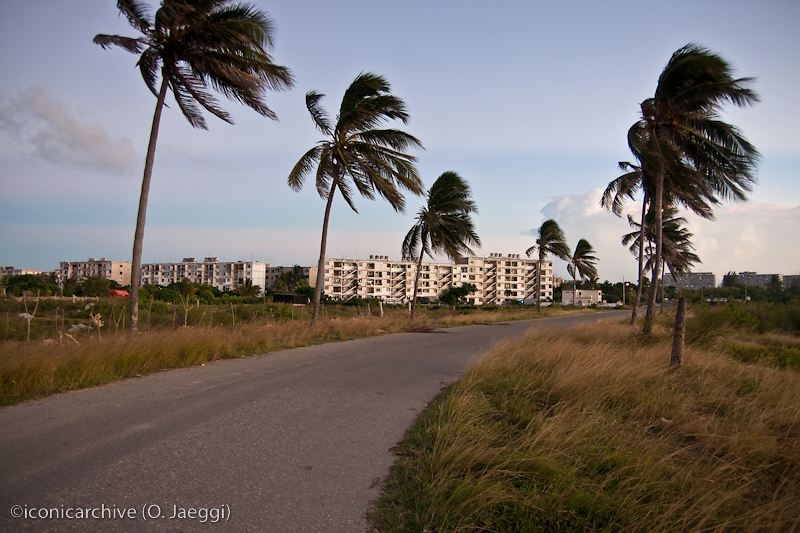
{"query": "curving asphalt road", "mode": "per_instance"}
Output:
(291, 441)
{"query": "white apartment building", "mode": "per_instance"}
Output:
(583, 297)
(119, 271)
(498, 279)
(222, 275)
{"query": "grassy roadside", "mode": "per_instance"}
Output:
(587, 430)
(36, 369)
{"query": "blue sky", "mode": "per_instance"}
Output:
(528, 101)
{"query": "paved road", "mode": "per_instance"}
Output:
(291, 441)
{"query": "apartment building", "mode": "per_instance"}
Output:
(12, 271)
(791, 281)
(119, 271)
(692, 280)
(751, 279)
(583, 297)
(222, 275)
(498, 279)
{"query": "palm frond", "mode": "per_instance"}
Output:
(130, 44)
(303, 167)
(318, 115)
(137, 13)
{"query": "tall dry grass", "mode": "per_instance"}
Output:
(587, 430)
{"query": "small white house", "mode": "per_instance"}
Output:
(584, 297)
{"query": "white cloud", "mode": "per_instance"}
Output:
(40, 126)
(758, 237)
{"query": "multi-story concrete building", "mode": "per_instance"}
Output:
(791, 281)
(751, 279)
(210, 271)
(692, 280)
(119, 271)
(498, 279)
(274, 273)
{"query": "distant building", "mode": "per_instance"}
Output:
(791, 281)
(692, 280)
(226, 275)
(583, 297)
(751, 279)
(274, 273)
(11, 271)
(499, 279)
(119, 271)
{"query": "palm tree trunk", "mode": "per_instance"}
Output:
(651, 300)
(138, 237)
(539, 282)
(679, 335)
(574, 290)
(641, 262)
(321, 264)
(416, 276)
(663, 276)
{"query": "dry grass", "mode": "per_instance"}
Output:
(33, 370)
(587, 430)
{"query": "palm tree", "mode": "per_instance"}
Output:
(683, 145)
(679, 191)
(194, 44)
(444, 225)
(677, 248)
(357, 153)
(551, 241)
(581, 263)
(613, 200)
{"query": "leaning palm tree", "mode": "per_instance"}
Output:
(358, 153)
(678, 190)
(444, 225)
(680, 137)
(613, 199)
(193, 45)
(551, 241)
(581, 263)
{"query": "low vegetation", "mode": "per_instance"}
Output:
(68, 351)
(588, 430)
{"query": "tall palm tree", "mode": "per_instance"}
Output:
(551, 241)
(678, 190)
(581, 263)
(193, 45)
(358, 153)
(613, 199)
(444, 225)
(679, 138)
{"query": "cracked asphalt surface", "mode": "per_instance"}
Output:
(296, 440)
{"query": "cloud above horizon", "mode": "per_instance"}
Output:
(37, 125)
(744, 237)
